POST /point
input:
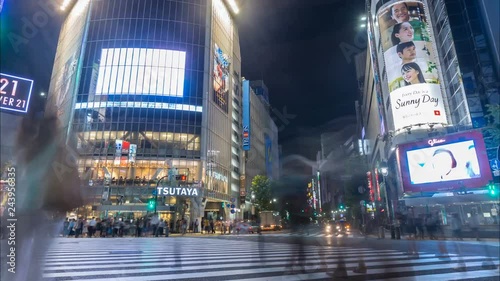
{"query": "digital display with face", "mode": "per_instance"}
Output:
(457, 161)
(449, 162)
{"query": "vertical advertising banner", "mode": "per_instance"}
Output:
(132, 153)
(246, 115)
(412, 72)
(121, 152)
(375, 67)
(370, 186)
(66, 70)
(221, 78)
(243, 191)
(268, 155)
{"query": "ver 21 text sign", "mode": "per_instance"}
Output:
(15, 93)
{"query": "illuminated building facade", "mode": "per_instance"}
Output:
(142, 88)
(412, 60)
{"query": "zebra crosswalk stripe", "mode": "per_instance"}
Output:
(211, 259)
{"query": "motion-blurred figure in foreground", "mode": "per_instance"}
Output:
(47, 185)
(298, 255)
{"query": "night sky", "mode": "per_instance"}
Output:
(293, 45)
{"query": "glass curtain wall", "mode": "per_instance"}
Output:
(139, 101)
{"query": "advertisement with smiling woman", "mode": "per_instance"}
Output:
(412, 72)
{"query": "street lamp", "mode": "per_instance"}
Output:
(42, 94)
(384, 170)
(274, 199)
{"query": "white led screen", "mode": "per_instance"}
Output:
(141, 71)
(455, 161)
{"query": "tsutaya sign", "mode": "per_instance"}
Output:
(177, 191)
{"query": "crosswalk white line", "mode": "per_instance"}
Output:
(147, 259)
(244, 263)
(467, 275)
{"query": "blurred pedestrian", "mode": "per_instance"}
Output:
(212, 229)
(91, 226)
(456, 226)
(474, 224)
(161, 226)
(419, 225)
(184, 226)
(47, 173)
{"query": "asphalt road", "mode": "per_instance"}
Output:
(271, 256)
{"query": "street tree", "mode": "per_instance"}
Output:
(262, 190)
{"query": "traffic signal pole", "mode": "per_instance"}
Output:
(156, 191)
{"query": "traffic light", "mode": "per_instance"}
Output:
(341, 206)
(180, 177)
(151, 204)
(492, 190)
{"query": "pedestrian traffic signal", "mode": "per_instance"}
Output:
(151, 204)
(492, 190)
(180, 177)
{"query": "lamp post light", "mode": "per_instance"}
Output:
(384, 170)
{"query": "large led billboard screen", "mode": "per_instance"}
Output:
(411, 65)
(141, 71)
(15, 93)
(445, 163)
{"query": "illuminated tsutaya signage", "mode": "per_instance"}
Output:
(177, 191)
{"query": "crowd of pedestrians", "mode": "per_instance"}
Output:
(142, 227)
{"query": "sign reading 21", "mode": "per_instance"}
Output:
(15, 93)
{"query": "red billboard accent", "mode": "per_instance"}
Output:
(445, 163)
(125, 147)
(370, 186)
(378, 185)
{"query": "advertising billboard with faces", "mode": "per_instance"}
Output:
(445, 163)
(221, 78)
(410, 63)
